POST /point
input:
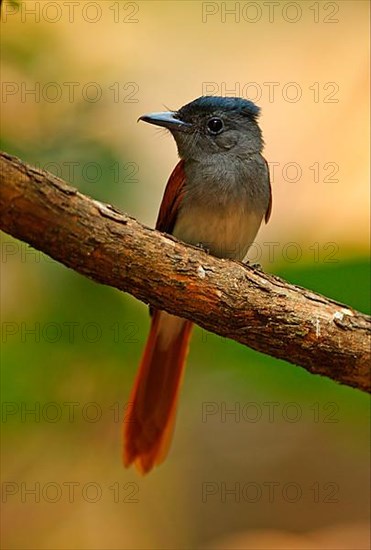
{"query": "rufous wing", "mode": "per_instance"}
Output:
(174, 192)
(269, 209)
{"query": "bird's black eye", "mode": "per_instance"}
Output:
(215, 126)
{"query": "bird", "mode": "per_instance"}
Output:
(216, 197)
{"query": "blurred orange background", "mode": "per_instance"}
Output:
(289, 466)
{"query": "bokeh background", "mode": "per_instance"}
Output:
(264, 454)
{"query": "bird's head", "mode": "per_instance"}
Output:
(212, 125)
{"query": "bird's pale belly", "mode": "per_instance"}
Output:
(226, 232)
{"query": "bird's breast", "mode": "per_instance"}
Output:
(227, 231)
(224, 203)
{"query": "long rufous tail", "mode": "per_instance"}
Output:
(149, 424)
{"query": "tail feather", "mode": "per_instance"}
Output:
(153, 401)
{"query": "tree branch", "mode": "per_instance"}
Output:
(225, 297)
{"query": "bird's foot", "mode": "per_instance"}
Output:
(203, 247)
(255, 266)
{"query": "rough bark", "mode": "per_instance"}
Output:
(225, 297)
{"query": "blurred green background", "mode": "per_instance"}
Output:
(264, 454)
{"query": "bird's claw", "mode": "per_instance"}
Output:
(203, 247)
(255, 266)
